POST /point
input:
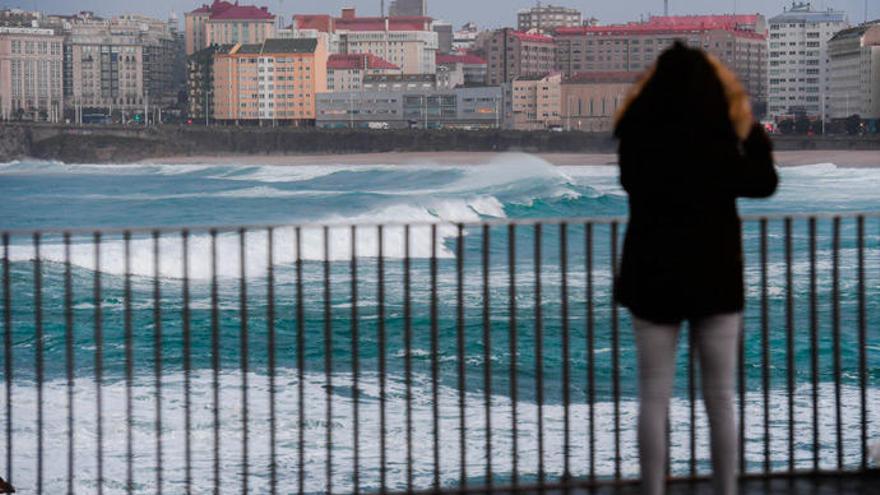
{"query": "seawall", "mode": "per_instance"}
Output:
(96, 144)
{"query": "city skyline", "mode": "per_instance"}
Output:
(460, 11)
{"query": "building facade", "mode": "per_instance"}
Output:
(461, 70)
(536, 103)
(512, 54)
(468, 108)
(445, 36)
(31, 74)
(124, 64)
(347, 72)
(227, 23)
(855, 73)
(738, 41)
(546, 18)
(798, 73)
(200, 83)
(408, 8)
(590, 101)
(465, 38)
(274, 82)
(407, 42)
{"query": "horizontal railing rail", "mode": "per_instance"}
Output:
(408, 357)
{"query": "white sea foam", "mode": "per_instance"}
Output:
(287, 433)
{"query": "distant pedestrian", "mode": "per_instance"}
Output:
(689, 147)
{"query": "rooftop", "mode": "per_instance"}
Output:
(603, 77)
(358, 61)
(465, 59)
(803, 12)
(741, 25)
(349, 21)
(539, 38)
(222, 10)
(276, 47)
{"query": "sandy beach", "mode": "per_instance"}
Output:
(844, 158)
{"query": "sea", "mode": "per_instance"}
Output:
(50, 197)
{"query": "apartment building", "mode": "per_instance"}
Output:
(347, 72)
(31, 74)
(590, 101)
(407, 42)
(200, 83)
(467, 108)
(224, 22)
(408, 8)
(740, 41)
(799, 63)
(458, 70)
(274, 82)
(854, 76)
(546, 18)
(536, 102)
(125, 63)
(513, 54)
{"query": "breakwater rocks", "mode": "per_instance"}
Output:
(96, 144)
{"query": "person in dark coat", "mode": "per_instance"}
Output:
(688, 148)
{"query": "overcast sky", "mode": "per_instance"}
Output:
(488, 13)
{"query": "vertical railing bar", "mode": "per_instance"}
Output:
(270, 343)
(692, 401)
(566, 370)
(513, 334)
(38, 357)
(741, 386)
(591, 353)
(383, 429)
(300, 366)
(539, 350)
(435, 364)
(863, 344)
(69, 360)
(407, 356)
(187, 366)
(328, 365)
(7, 355)
(789, 339)
(835, 315)
(814, 343)
(615, 353)
(243, 349)
(765, 345)
(215, 364)
(157, 357)
(99, 365)
(487, 355)
(460, 338)
(129, 371)
(355, 365)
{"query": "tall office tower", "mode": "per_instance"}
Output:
(409, 8)
(799, 63)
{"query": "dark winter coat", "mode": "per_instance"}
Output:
(684, 171)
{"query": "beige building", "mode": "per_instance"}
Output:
(31, 74)
(590, 101)
(275, 82)
(407, 42)
(546, 18)
(227, 23)
(123, 64)
(535, 103)
(740, 41)
(855, 73)
(513, 54)
(347, 72)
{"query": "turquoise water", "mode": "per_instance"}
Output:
(40, 195)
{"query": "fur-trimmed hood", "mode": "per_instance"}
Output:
(686, 89)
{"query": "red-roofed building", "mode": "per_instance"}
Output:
(458, 70)
(224, 22)
(347, 72)
(511, 54)
(740, 41)
(407, 42)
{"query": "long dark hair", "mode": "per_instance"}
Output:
(687, 93)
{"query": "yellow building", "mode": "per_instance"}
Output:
(227, 23)
(535, 102)
(591, 100)
(275, 82)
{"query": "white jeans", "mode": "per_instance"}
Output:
(716, 339)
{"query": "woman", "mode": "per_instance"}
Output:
(689, 147)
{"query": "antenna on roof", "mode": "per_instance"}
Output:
(666, 7)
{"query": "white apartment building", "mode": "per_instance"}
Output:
(799, 63)
(855, 72)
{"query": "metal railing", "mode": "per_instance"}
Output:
(408, 357)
